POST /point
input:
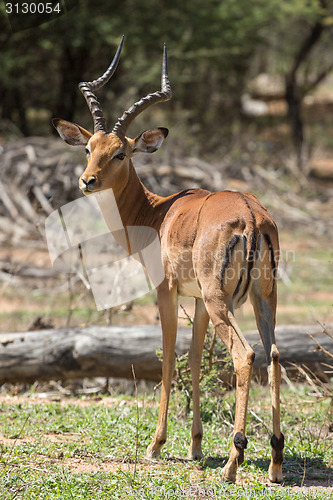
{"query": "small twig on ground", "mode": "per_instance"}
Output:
(188, 317)
(184, 383)
(260, 420)
(157, 386)
(304, 473)
(328, 353)
(137, 424)
(287, 379)
(308, 379)
(211, 351)
(326, 332)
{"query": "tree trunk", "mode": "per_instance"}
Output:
(294, 103)
(93, 351)
(295, 91)
(72, 67)
(13, 109)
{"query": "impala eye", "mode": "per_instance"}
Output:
(121, 156)
(87, 151)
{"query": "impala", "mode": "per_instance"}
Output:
(216, 247)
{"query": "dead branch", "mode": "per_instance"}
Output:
(66, 353)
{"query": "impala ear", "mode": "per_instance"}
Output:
(150, 140)
(71, 133)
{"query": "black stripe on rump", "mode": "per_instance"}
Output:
(235, 239)
(236, 292)
(251, 260)
(271, 251)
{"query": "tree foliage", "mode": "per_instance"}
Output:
(213, 47)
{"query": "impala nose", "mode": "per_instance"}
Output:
(88, 182)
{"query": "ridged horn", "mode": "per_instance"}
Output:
(88, 88)
(164, 94)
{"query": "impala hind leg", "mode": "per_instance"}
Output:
(264, 308)
(200, 324)
(167, 303)
(243, 359)
(277, 440)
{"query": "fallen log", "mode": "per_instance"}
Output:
(66, 353)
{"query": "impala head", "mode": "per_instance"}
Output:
(109, 153)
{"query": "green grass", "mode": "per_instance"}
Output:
(45, 442)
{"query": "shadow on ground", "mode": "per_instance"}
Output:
(297, 471)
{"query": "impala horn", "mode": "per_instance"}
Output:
(164, 94)
(88, 88)
(120, 128)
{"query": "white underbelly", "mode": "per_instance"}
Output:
(189, 289)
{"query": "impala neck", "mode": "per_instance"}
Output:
(136, 204)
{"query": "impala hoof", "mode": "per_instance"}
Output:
(195, 450)
(275, 474)
(153, 454)
(195, 455)
(229, 474)
(153, 451)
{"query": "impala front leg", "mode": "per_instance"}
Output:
(167, 303)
